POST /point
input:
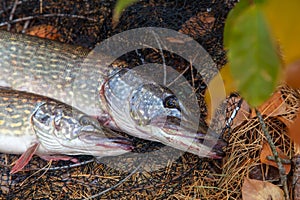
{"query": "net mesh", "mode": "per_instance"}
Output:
(87, 23)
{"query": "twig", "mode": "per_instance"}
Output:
(282, 160)
(283, 178)
(11, 16)
(179, 76)
(47, 15)
(162, 56)
(296, 180)
(32, 175)
(10, 7)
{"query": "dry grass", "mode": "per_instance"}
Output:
(242, 156)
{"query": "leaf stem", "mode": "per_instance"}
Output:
(283, 177)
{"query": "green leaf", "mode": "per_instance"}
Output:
(120, 6)
(232, 17)
(253, 57)
(236, 12)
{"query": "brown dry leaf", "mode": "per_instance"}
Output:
(292, 74)
(260, 190)
(198, 25)
(296, 149)
(266, 151)
(274, 106)
(206, 18)
(294, 131)
(242, 115)
(44, 31)
(286, 121)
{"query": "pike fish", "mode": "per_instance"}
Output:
(148, 110)
(66, 73)
(31, 124)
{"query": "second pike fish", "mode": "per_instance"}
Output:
(31, 124)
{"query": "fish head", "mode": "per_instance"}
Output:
(151, 111)
(154, 104)
(61, 129)
(157, 111)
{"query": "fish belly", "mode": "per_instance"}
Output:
(15, 144)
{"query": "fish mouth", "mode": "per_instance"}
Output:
(174, 126)
(186, 137)
(203, 145)
(122, 143)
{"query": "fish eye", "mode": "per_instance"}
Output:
(45, 118)
(84, 120)
(171, 102)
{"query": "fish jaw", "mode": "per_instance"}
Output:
(194, 146)
(95, 144)
(199, 144)
(87, 145)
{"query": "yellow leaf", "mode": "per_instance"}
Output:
(223, 81)
(283, 18)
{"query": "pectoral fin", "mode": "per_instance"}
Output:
(24, 159)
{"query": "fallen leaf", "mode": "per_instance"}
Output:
(297, 149)
(274, 106)
(44, 31)
(240, 115)
(266, 151)
(285, 120)
(294, 132)
(198, 25)
(292, 74)
(206, 18)
(261, 190)
(268, 173)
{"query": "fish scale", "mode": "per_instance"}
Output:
(49, 68)
(10, 105)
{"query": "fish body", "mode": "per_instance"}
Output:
(49, 68)
(32, 124)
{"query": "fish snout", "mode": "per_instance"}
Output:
(203, 145)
